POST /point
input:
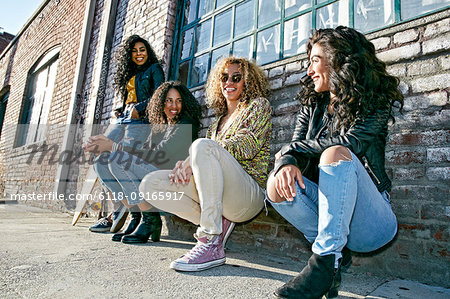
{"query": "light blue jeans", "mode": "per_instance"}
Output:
(345, 209)
(130, 132)
(121, 173)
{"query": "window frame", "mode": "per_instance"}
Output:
(211, 15)
(44, 63)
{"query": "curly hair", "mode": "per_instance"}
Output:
(126, 68)
(256, 84)
(357, 77)
(189, 106)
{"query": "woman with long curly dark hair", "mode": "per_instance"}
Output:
(175, 117)
(138, 75)
(222, 179)
(330, 181)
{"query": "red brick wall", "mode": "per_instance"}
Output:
(59, 23)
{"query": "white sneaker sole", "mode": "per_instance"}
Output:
(196, 267)
(119, 219)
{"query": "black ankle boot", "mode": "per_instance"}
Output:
(151, 224)
(135, 220)
(315, 280)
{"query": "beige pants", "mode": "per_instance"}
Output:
(220, 186)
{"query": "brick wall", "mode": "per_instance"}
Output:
(58, 23)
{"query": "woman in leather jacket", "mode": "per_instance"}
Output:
(137, 77)
(330, 181)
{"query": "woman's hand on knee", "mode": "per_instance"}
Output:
(284, 181)
(182, 172)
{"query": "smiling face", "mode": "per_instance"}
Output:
(318, 69)
(139, 53)
(232, 82)
(173, 104)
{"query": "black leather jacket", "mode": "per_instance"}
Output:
(366, 139)
(146, 82)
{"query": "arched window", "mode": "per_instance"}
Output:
(38, 98)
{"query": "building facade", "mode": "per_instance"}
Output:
(56, 82)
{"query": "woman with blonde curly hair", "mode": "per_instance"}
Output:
(223, 178)
(175, 116)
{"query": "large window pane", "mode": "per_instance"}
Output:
(219, 53)
(413, 8)
(244, 47)
(244, 18)
(294, 6)
(186, 43)
(205, 7)
(269, 11)
(183, 72)
(373, 14)
(190, 11)
(199, 71)
(268, 48)
(222, 27)
(332, 15)
(296, 33)
(203, 36)
(221, 3)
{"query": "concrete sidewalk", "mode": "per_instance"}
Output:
(43, 256)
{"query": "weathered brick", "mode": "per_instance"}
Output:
(445, 62)
(276, 84)
(438, 155)
(438, 173)
(438, 250)
(423, 138)
(437, 44)
(423, 67)
(278, 71)
(404, 210)
(408, 174)
(436, 211)
(406, 36)
(405, 157)
(398, 70)
(293, 79)
(294, 67)
(289, 107)
(258, 228)
(381, 43)
(430, 83)
(437, 28)
(425, 101)
(400, 53)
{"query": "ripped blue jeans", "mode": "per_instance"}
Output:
(344, 209)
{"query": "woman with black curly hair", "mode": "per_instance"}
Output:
(330, 181)
(138, 75)
(175, 117)
(224, 175)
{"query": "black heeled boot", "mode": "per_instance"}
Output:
(315, 280)
(151, 224)
(135, 220)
